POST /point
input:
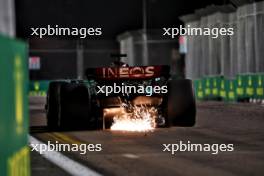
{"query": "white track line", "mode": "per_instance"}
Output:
(67, 164)
(130, 155)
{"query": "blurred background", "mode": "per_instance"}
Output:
(135, 27)
(123, 24)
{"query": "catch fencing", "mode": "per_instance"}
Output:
(228, 55)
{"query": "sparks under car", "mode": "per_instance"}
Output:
(134, 96)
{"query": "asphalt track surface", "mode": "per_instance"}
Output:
(131, 153)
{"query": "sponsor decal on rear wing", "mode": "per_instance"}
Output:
(138, 72)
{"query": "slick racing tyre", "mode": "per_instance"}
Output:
(181, 107)
(68, 106)
(53, 105)
(75, 106)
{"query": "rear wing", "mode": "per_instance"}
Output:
(137, 72)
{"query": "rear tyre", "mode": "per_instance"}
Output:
(69, 106)
(75, 106)
(181, 107)
(53, 105)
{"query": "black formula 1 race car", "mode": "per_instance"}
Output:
(114, 91)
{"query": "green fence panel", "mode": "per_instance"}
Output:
(241, 82)
(230, 88)
(232, 96)
(259, 86)
(250, 85)
(14, 151)
(207, 85)
(224, 89)
(216, 86)
(245, 86)
(212, 87)
(199, 90)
